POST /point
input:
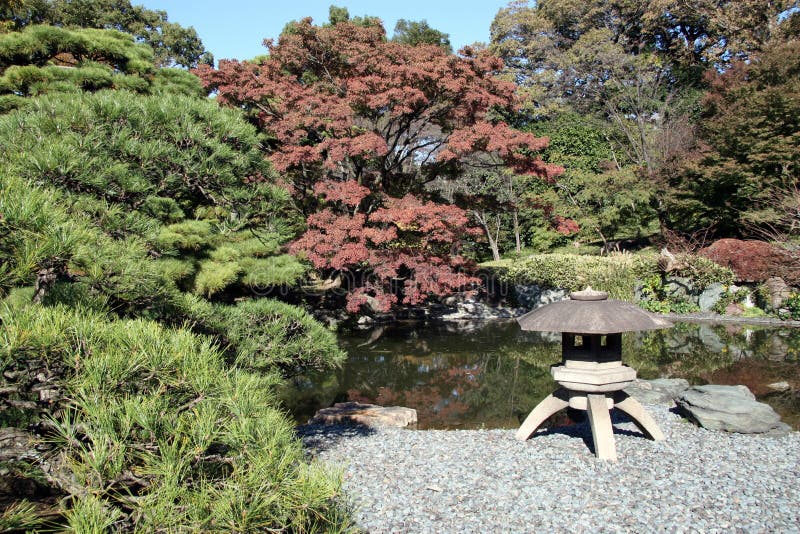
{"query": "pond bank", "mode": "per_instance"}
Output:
(485, 480)
(715, 318)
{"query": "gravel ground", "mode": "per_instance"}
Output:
(485, 481)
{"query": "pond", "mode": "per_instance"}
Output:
(491, 375)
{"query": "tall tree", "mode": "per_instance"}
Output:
(637, 65)
(172, 43)
(43, 59)
(744, 176)
(417, 33)
(342, 105)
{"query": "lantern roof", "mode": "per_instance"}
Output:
(591, 312)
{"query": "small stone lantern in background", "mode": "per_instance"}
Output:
(591, 374)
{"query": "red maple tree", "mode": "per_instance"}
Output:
(358, 126)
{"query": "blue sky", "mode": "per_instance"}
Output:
(236, 28)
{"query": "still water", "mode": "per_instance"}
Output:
(491, 375)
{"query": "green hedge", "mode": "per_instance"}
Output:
(617, 274)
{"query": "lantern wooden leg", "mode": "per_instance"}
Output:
(555, 402)
(638, 415)
(602, 431)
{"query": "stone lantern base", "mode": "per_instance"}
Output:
(597, 388)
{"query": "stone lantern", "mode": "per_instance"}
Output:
(591, 374)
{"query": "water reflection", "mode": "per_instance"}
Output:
(492, 375)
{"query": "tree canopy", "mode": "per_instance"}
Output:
(416, 33)
(743, 176)
(346, 110)
(172, 44)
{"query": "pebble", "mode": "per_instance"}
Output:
(408, 481)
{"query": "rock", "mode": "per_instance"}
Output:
(532, 297)
(473, 310)
(734, 309)
(777, 293)
(658, 391)
(711, 296)
(365, 320)
(777, 349)
(678, 287)
(729, 408)
(710, 339)
(369, 415)
(779, 386)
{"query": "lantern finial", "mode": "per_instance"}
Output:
(588, 294)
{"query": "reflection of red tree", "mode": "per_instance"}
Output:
(438, 401)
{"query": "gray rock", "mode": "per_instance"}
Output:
(728, 408)
(678, 287)
(638, 288)
(534, 296)
(711, 296)
(658, 391)
(711, 339)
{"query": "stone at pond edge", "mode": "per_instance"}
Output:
(711, 296)
(731, 409)
(778, 291)
(533, 296)
(780, 386)
(370, 415)
(658, 391)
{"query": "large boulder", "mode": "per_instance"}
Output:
(730, 408)
(658, 391)
(754, 261)
(369, 415)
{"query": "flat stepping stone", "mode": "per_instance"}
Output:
(370, 415)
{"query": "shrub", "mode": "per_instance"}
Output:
(792, 306)
(616, 274)
(155, 413)
(268, 334)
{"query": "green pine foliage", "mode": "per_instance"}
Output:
(159, 433)
(171, 172)
(151, 410)
(128, 202)
(44, 59)
(270, 334)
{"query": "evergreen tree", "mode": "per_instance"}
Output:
(118, 210)
(172, 44)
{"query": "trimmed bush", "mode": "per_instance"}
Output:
(618, 274)
(615, 274)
